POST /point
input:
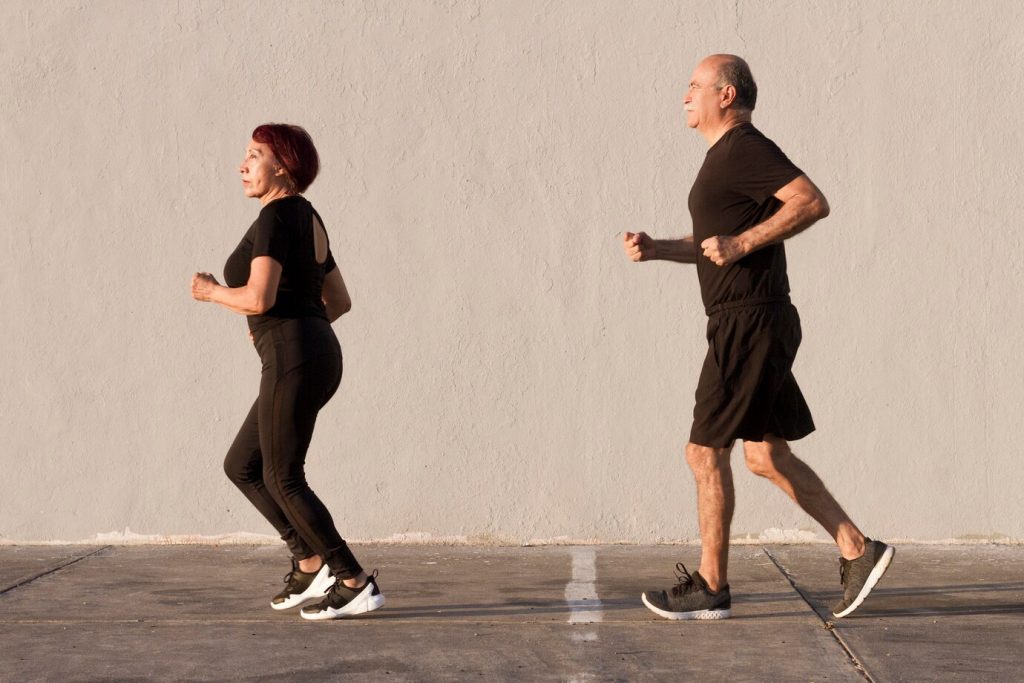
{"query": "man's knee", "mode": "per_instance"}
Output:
(704, 458)
(764, 458)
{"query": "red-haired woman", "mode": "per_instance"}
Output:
(283, 278)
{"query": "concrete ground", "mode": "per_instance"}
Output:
(568, 613)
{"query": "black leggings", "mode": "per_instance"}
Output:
(301, 372)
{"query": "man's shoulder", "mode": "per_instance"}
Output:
(746, 135)
(749, 145)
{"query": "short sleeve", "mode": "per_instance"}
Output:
(270, 237)
(329, 264)
(761, 168)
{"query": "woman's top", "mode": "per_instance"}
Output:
(284, 231)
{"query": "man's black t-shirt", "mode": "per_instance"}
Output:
(284, 231)
(733, 192)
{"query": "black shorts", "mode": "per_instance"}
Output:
(746, 389)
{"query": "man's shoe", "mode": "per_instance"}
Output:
(690, 598)
(342, 601)
(303, 587)
(860, 576)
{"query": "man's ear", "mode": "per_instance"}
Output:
(727, 97)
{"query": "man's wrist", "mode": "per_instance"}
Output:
(655, 250)
(746, 243)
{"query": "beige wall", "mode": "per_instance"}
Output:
(509, 376)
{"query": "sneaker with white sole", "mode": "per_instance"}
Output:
(860, 576)
(690, 598)
(303, 587)
(342, 601)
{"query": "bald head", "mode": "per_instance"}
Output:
(734, 71)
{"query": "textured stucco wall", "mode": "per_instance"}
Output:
(509, 376)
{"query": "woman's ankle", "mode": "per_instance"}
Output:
(357, 581)
(310, 564)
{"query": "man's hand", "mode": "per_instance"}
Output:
(638, 245)
(723, 249)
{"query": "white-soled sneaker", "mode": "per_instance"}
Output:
(302, 588)
(342, 601)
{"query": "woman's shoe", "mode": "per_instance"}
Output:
(303, 587)
(342, 601)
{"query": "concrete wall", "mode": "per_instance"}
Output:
(509, 375)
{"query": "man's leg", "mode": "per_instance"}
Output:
(773, 460)
(716, 500)
(704, 594)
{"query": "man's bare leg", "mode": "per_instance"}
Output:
(716, 500)
(773, 460)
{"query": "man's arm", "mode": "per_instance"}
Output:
(640, 246)
(803, 205)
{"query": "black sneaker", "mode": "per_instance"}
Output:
(303, 587)
(860, 576)
(342, 601)
(690, 598)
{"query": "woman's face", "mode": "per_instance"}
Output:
(261, 171)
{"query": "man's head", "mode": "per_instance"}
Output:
(722, 90)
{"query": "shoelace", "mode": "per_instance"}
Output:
(292, 580)
(843, 565)
(685, 582)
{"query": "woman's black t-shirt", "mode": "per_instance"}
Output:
(284, 232)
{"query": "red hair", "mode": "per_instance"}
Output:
(293, 148)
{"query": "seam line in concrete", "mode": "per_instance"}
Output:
(829, 626)
(38, 575)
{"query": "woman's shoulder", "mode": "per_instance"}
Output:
(286, 209)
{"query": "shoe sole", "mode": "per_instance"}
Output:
(876, 573)
(701, 614)
(361, 604)
(316, 591)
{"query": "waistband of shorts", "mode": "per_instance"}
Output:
(746, 303)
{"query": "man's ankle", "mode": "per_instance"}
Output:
(713, 582)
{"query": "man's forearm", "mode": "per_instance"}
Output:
(678, 250)
(793, 217)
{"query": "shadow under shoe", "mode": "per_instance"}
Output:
(342, 601)
(303, 587)
(690, 598)
(860, 576)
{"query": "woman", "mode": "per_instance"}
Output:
(283, 278)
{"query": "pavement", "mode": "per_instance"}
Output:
(560, 613)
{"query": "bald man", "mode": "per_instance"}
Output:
(746, 200)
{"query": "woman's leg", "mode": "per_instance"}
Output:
(291, 395)
(244, 467)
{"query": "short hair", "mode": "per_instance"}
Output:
(735, 71)
(294, 149)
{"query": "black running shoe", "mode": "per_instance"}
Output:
(342, 601)
(690, 598)
(860, 576)
(303, 587)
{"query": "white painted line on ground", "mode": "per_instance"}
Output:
(581, 593)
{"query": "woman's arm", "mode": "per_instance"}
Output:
(256, 297)
(335, 295)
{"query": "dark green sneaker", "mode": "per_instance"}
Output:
(860, 576)
(690, 598)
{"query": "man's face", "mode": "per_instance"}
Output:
(703, 98)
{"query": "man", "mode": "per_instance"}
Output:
(747, 198)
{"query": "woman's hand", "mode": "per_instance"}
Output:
(203, 285)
